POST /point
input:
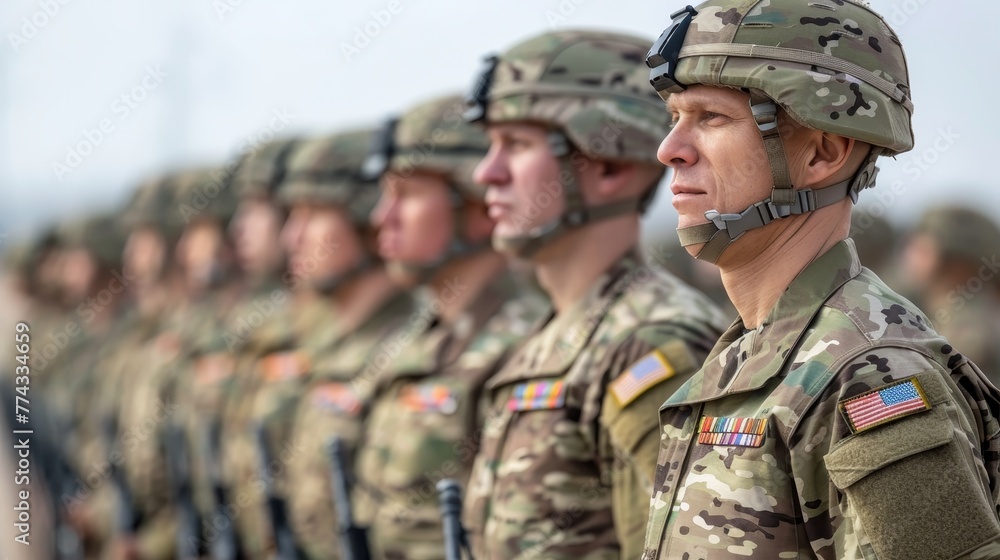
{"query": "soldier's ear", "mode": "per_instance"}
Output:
(614, 179)
(828, 158)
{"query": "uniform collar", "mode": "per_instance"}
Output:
(768, 347)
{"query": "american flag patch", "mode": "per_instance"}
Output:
(642, 375)
(885, 404)
(538, 395)
(725, 430)
(428, 397)
(284, 366)
(338, 398)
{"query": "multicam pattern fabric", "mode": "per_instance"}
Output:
(334, 403)
(921, 486)
(563, 482)
(591, 85)
(430, 394)
(817, 96)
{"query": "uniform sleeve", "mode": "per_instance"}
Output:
(902, 483)
(644, 371)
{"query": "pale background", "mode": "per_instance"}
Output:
(230, 64)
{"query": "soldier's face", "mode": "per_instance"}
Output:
(255, 230)
(523, 177)
(414, 218)
(145, 252)
(79, 270)
(715, 152)
(321, 241)
(203, 253)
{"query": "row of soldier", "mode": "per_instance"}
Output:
(213, 336)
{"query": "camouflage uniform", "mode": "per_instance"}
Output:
(843, 426)
(569, 442)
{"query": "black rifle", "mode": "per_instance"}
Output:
(455, 538)
(353, 539)
(127, 517)
(225, 546)
(179, 471)
(284, 540)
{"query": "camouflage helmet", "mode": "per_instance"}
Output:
(100, 234)
(432, 136)
(590, 85)
(203, 193)
(327, 170)
(961, 232)
(263, 170)
(589, 89)
(150, 205)
(831, 65)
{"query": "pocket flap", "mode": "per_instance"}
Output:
(858, 456)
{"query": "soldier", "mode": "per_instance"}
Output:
(570, 438)
(221, 367)
(425, 419)
(200, 208)
(950, 261)
(351, 305)
(830, 420)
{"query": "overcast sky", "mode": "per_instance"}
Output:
(190, 81)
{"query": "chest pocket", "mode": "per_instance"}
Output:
(437, 417)
(736, 493)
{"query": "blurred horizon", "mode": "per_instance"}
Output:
(158, 86)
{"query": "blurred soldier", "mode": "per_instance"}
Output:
(352, 304)
(877, 244)
(201, 207)
(23, 298)
(571, 434)
(425, 420)
(830, 420)
(220, 370)
(951, 263)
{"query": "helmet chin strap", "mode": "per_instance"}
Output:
(575, 215)
(723, 229)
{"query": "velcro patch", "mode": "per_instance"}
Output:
(284, 366)
(884, 404)
(538, 395)
(729, 430)
(338, 398)
(211, 369)
(650, 370)
(429, 397)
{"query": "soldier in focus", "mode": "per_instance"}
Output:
(830, 420)
(428, 378)
(571, 434)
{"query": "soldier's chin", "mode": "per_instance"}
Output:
(401, 274)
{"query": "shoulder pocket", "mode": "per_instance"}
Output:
(855, 457)
(913, 488)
